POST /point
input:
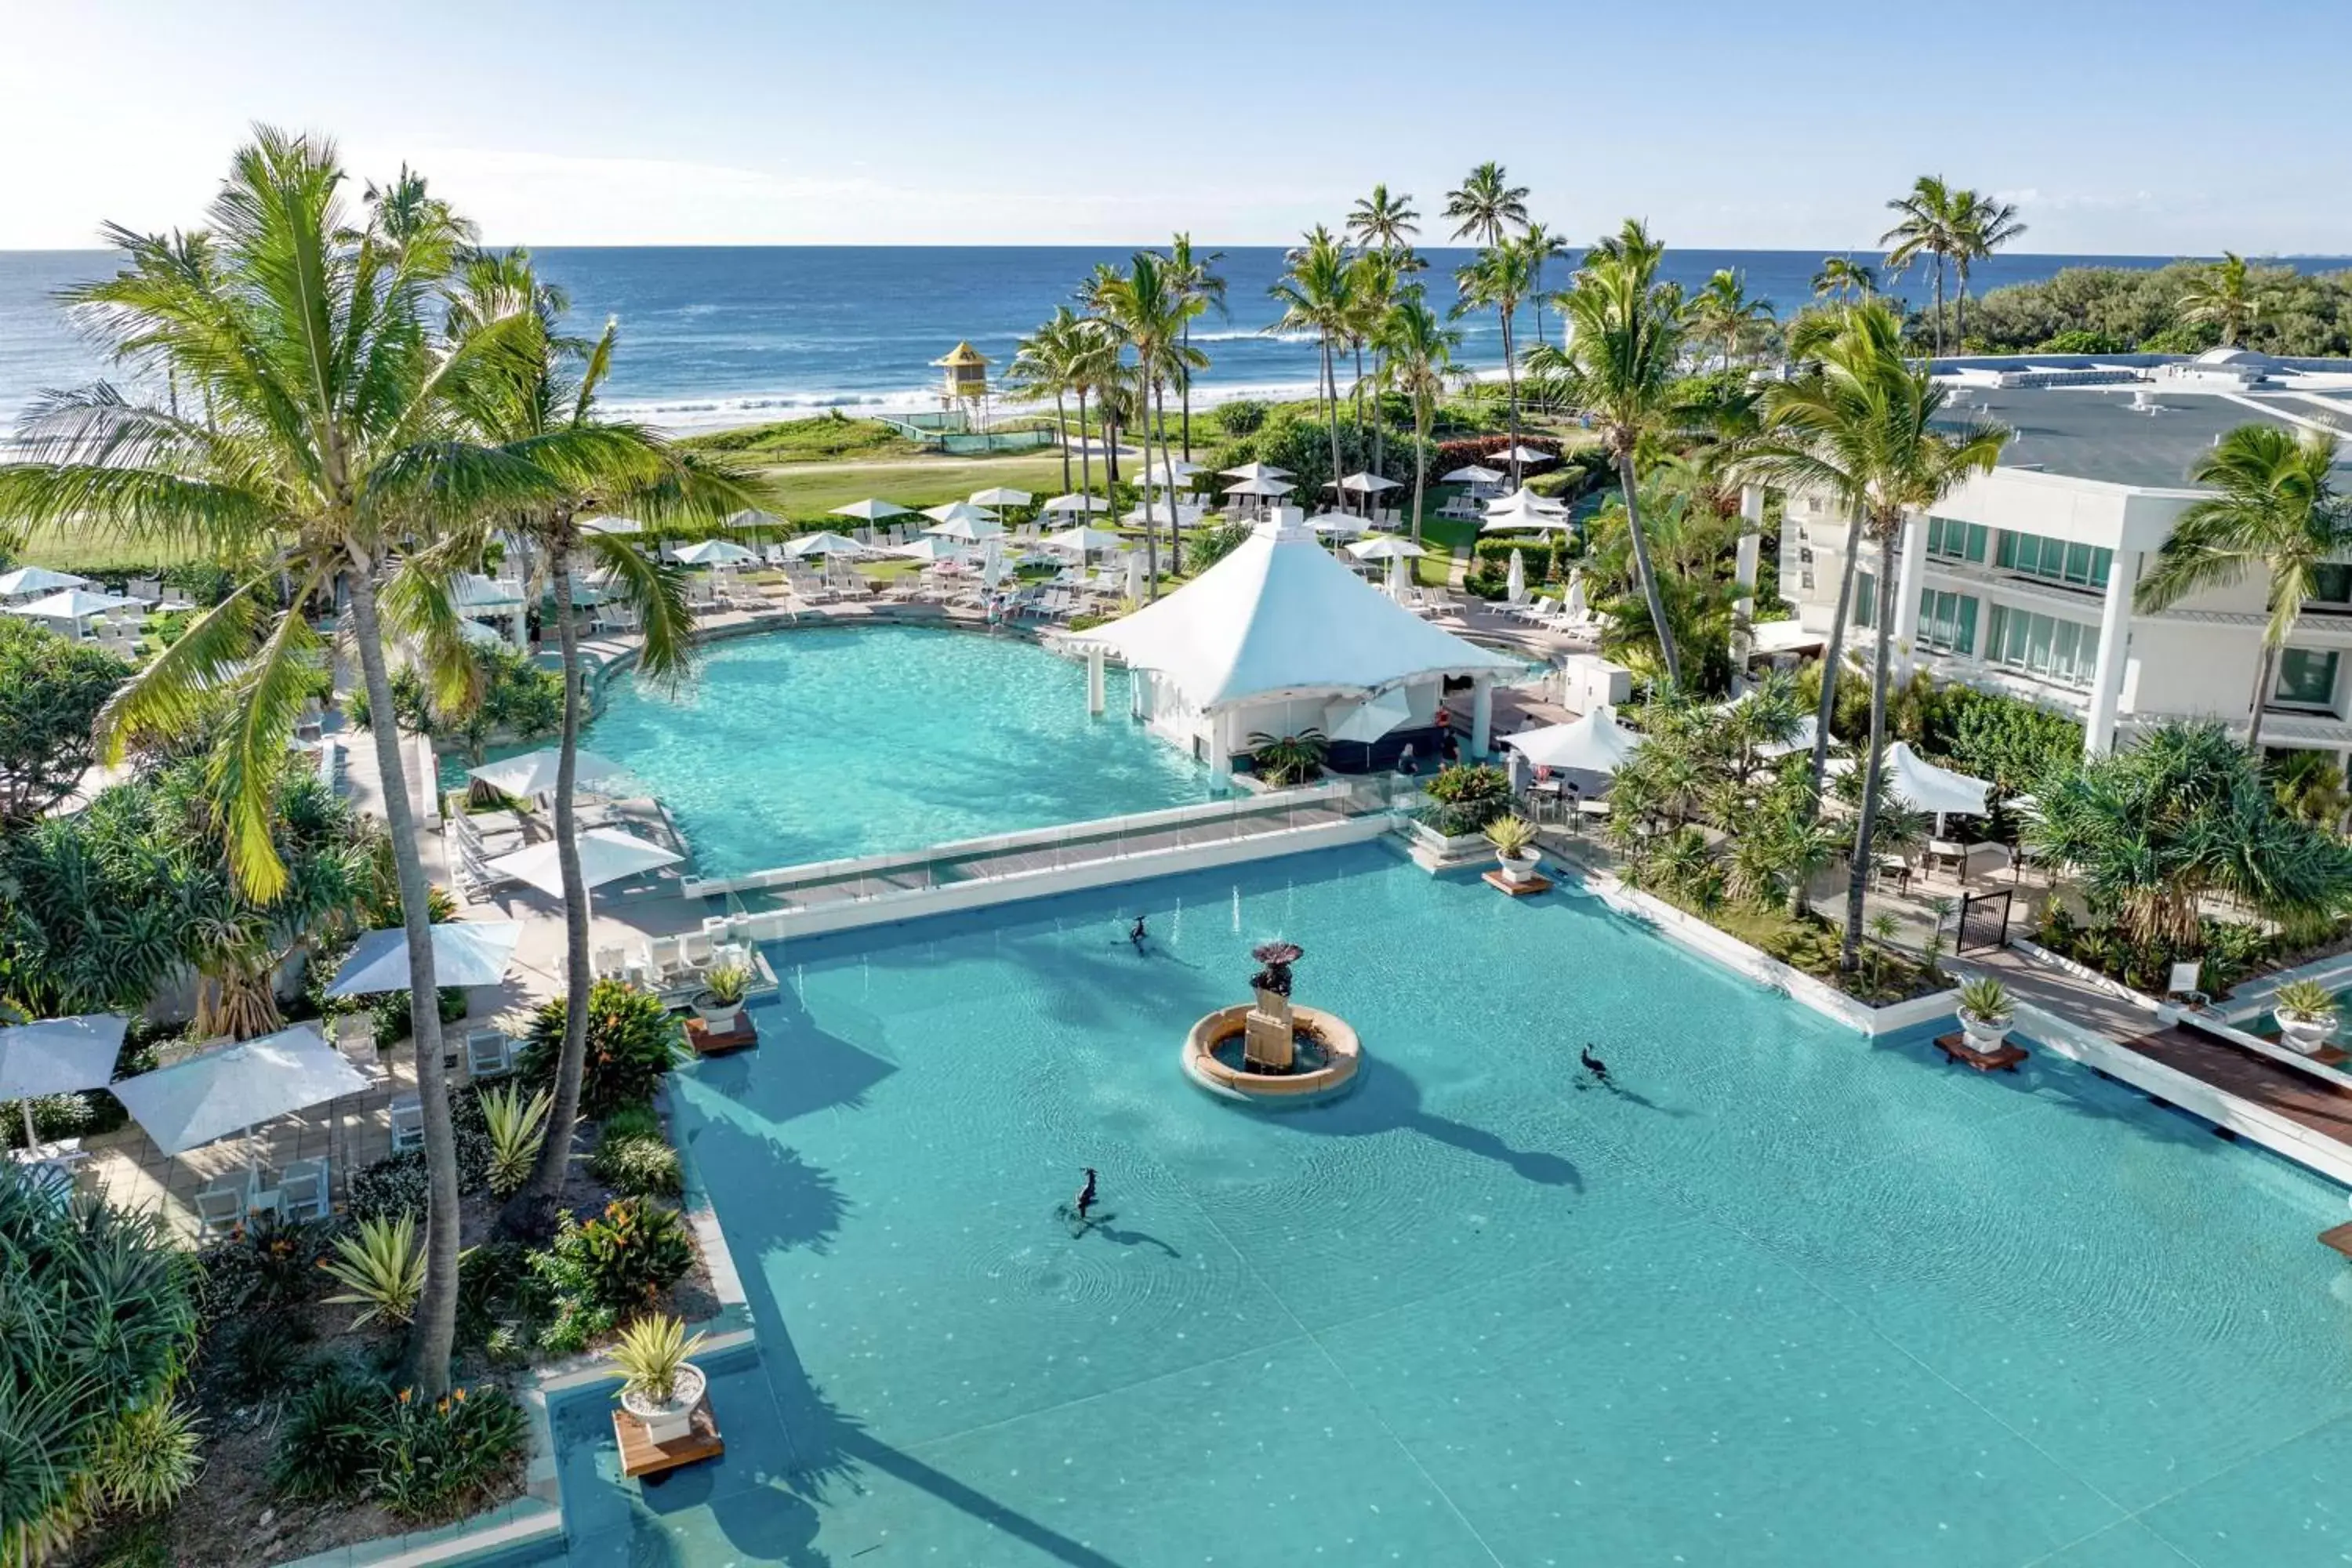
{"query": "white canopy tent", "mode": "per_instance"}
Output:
(1271, 635)
(533, 773)
(715, 553)
(1088, 503)
(58, 1056)
(1523, 522)
(869, 509)
(1596, 744)
(465, 952)
(606, 855)
(217, 1093)
(1001, 495)
(1526, 500)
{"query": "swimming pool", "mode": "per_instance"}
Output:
(809, 745)
(1786, 1295)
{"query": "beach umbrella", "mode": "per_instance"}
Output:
(1260, 486)
(1083, 539)
(465, 952)
(1595, 743)
(970, 530)
(1516, 585)
(1001, 495)
(869, 509)
(1522, 456)
(929, 547)
(58, 1056)
(1338, 524)
(959, 511)
(1249, 471)
(1162, 467)
(26, 580)
(823, 544)
(749, 518)
(611, 525)
(1135, 575)
(216, 1093)
(715, 553)
(606, 855)
(1923, 786)
(1364, 484)
(1472, 474)
(1387, 547)
(533, 773)
(75, 605)
(1077, 503)
(1572, 605)
(992, 562)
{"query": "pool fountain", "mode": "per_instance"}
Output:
(1272, 1051)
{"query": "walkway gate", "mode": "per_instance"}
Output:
(1984, 920)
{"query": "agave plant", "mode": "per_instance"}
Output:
(1510, 836)
(729, 983)
(2304, 1000)
(381, 1268)
(516, 1127)
(1985, 1000)
(649, 1353)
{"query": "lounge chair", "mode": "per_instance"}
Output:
(408, 1122)
(694, 951)
(665, 959)
(610, 963)
(489, 1052)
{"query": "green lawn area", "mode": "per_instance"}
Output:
(89, 550)
(914, 483)
(822, 438)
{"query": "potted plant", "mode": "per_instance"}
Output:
(1285, 760)
(660, 1385)
(1985, 1012)
(1514, 838)
(721, 997)
(2305, 1011)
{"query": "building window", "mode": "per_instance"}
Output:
(2055, 560)
(2331, 585)
(2306, 677)
(1952, 541)
(2063, 651)
(1865, 599)
(1948, 622)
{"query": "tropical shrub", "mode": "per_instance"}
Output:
(516, 1128)
(1206, 549)
(1464, 797)
(1283, 760)
(259, 1356)
(51, 690)
(633, 1158)
(2305, 999)
(433, 1461)
(325, 1443)
(1241, 417)
(631, 1042)
(621, 1260)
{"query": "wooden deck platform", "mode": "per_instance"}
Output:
(1533, 885)
(1956, 1049)
(710, 1042)
(640, 1457)
(2299, 1096)
(2340, 1238)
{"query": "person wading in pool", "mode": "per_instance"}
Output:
(1135, 934)
(1086, 1195)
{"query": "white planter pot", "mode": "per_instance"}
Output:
(715, 1018)
(1985, 1035)
(665, 1421)
(2305, 1034)
(1519, 868)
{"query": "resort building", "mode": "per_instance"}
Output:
(2023, 580)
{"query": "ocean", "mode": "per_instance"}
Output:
(717, 336)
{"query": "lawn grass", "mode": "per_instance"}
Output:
(912, 483)
(827, 437)
(90, 551)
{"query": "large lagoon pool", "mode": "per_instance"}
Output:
(811, 745)
(1783, 1295)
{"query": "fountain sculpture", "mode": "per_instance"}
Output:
(1272, 1051)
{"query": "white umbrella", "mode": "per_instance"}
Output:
(751, 518)
(1373, 717)
(1330, 523)
(1572, 605)
(465, 952)
(58, 1056)
(1260, 486)
(1472, 474)
(1001, 495)
(1248, 471)
(1084, 540)
(1162, 467)
(869, 511)
(959, 511)
(38, 580)
(1522, 456)
(1923, 786)
(992, 562)
(970, 530)
(1077, 503)
(611, 525)
(75, 605)
(533, 773)
(1135, 576)
(823, 544)
(1365, 484)
(1388, 547)
(606, 855)
(929, 547)
(480, 636)
(219, 1092)
(1516, 584)
(1595, 743)
(715, 553)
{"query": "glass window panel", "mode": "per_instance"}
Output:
(2004, 554)
(2078, 563)
(1975, 549)
(2307, 676)
(2332, 584)
(1964, 630)
(2102, 566)
(2037, 643)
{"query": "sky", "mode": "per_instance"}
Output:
(2116, 126)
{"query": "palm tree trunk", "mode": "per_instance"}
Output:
(1062, 424)
(432, 1339)
(1511, 396)
(1858, 875)
(1175, 524)
(1331, 385)
(555, 1153)
(1831, 653)
(1358, 391)
(1184, 394)
(2264, 667)
(1085, 454)
(1625, 483)
(1150, 535)
(1940, 307)
(1420, 466)
(1379, 424)
(1960, 310)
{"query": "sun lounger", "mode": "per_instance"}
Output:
(489, 1052)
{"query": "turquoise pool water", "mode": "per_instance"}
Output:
(1784, 1296)
(808, 745)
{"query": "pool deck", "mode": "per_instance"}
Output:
(2234, 1070)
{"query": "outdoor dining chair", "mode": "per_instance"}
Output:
(408, 1122)
(489, 1052)
(220, 1208)
(302, 1190)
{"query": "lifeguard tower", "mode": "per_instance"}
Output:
(964, 386)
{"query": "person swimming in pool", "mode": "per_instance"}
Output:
(1087, 1194)
(1135, 934)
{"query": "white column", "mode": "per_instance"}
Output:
(1751, 547)
(2114, 645)
(1095, 680)
(1482, 716)
(1905, 630)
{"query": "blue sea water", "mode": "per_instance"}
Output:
(713, 336)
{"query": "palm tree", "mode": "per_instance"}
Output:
(1317, 294)
(1416, 358)
(1841, 277)
(1378, 277)
(326, 448)
(1501, 277)
(2228, 295)
(1042, 363)
(1984, 226)
(1148, 308)
(1723, 313)
(1866, 428)
(1198, 279)
(1930, 228)
(1383, 222)
(2277, 511)
(1624, 341)
(1541, 245)
(537, 400)
(1487, 207)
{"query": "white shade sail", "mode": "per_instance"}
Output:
(1923, 786)
(1279, 616)
(611, 525)
(1523, 522)
(823, 544)
(606, 855)
(1256, 472)
(929, 547)
(533, 773)
(465, 952)
(1595, 743)
(869, 509)
(1084, 540)
(970, 530)
(216, 1093)
(1077, 503)
(38, 580)
(1365, 484)
(1001, 495)
(74, 604)
(1472, 474)
(59, 1055)
(715, 553)
(1388, 547)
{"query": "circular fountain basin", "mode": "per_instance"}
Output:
(1213, 1058)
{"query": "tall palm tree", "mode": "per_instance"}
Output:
(1624, 341)
(1486, 206)
(1983, 226)
(1417, 359)
(534, 395)
(1383, 221)
(1723, 313)
(1542, 244)
(1929, 226)
(1198, 278)
(1317, 294)
(326, 448)
(1866, 426)
(2228, 295)
(1148, 308)
(1501, 276)
(1041, 368)
(1841, 277)
(2277, 511)
(1113, 404)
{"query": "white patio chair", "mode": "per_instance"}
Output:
(220, 1208)
(694, 951)
(664, 959)
(302, 1190)
(489, 1052)
(408, 1122)
(355, 1039)
(610, 963)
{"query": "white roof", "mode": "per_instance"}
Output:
(606, 855)
(465, 952)
(714, 552)
(38, 580)
(533, 773)
(1257, 471)
(1595, 743)
(218, 1093)
(59, 1055)
(1001, 495)
(1280, 616)
(1077, 503)
(1472, 474)
(1923, 786)
(73, 605)
(869, 509)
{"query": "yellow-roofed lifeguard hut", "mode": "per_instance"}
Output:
(964, 385)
